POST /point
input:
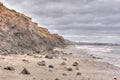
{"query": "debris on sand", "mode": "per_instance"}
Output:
(50, 70)
(42, 63)
(24, 60)
(64, 59)
(51, 66)
(75, 64)
(29, 54)
(69, 69)
(9, 68)
(77, 68)
(57, 79)
(64, 74)
(35, 56)
(70, 53)
(2, 58)
(95, 57)
(114, 78)
(63, 63)
(49, 56)
(40, 57)
(25, 71)
(78, 73)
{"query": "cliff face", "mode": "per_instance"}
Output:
(18, 34)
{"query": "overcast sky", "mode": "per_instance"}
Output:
(78, 20)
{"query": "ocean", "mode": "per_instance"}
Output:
(109, 54)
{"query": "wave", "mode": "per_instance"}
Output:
(109, 54)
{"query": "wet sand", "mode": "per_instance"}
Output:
(72, 65)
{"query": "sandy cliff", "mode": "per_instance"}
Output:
(18, 34)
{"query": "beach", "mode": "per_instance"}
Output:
(69, 63)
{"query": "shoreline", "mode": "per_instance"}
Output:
(87, 55)
(108, 54)
(72, 64)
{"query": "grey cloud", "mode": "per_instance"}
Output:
(92, 18)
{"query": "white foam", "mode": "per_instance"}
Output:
(108, 53)
(95, 48)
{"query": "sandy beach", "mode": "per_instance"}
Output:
(68, 66)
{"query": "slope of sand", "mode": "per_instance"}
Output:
(62, 67)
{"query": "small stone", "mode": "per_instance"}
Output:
(115, 79)
(57, 79)
(35, 56)
(69, 69)
(24, 60)
(64, 74)
(51, 66)
(70, 53)
(64, 59)
(25, 71)
(63, 63)
(77, 68)
(2, 58)
(40, 57)
(42, 63)
(9, 68)
(29, 54)
(37, 51)
(79, 73)
(49, 56)
(34, 78)
(75, 64)
(50, 70)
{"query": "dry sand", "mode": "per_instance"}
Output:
(58, 68)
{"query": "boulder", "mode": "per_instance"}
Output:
(25, 71)
(42, 63)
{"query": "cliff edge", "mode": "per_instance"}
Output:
(18, 34)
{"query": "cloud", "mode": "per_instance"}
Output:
(88, 18)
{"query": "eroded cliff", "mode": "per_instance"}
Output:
(18, 34)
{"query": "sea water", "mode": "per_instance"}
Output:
(109, 54)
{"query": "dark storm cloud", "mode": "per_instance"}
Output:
(83, 19)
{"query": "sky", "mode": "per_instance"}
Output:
(76, 20)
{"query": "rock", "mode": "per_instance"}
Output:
(64, 74)
(35, 56)
(57, 79)
(49, 56)
(64, 59)
(40, 57)
(77, 68)
(37, 52)
(2, 58)
(34, 78)
(25, 71)
(95, 57)
(70, 53)
(50, 70)
(114, 78)
(42, 63)
(51, 66)
(55, 52)
(69, 69)
(29, 54)
(79, 73)
(75, 64)
(24, 60)
(63, 63)
(9, 68)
